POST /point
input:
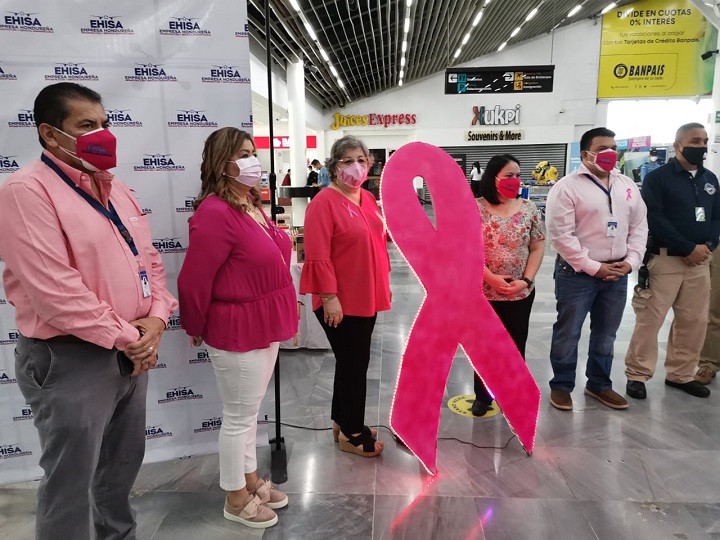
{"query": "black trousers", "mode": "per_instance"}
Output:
(515, 316)
(350, 343)
(475, 188)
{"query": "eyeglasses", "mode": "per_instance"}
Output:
(348, 162)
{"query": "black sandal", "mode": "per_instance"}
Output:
(362, 445)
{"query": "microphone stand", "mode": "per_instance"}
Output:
(278, 454)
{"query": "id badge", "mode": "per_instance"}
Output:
(612, 228)
(699, 213)
(145, 282)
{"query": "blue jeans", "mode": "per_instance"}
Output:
(578, 294)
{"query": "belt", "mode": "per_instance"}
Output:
(65, 339)
(666, 251)
(561, 260)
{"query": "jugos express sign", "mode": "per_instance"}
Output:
(372, 120)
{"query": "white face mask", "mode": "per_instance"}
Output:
(250, 171)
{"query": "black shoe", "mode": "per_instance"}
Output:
(636, 389)
(694, 388)
(479, 408)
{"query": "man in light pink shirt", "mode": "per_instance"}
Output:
(596, 222)
(91, 305)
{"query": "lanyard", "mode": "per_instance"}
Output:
(111, 214)
(607, 192)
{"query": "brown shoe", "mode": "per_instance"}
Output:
(704, 375)
(269, 496)
(561, 400)
(251, 513)
(608, 397)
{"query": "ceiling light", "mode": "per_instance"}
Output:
(574, 10)
(607, 8)
(334, 72)
(407, 23)
(477, 18)
(404, 46)
(409, 3)
(457, 53)
(515, 32)
(402, 73)
(501, 47)
(402, 61)
(340, 83)
(324, 55)
(400, 82)
(466, 38)
(295, 5)
(310, 31)
(531, 14)
(487, 2)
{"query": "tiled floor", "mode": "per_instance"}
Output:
(650, 472)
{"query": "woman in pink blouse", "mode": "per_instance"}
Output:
(237, 296)
(347, 271)
(514, 236)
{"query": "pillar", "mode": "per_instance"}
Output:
(296, 132)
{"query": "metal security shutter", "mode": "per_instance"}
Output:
(528, 155)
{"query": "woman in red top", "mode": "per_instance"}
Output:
(347, 270)
(237, 296)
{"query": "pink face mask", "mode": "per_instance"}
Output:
(353, 175)
(509, 187)
(606, 159)
(96, 150)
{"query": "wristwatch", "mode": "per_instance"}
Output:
(529, 282)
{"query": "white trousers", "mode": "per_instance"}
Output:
(242, 380)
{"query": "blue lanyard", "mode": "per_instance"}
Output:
(111, 214)
(607, 192)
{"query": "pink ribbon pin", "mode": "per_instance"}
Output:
(629, 194)
(448, 259)
(352, 212)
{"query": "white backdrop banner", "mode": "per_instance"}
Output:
(170, 72)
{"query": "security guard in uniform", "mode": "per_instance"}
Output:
(683, 206)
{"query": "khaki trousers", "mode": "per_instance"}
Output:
(710, 354)
(687, 290)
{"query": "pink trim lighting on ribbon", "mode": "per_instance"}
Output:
(448, 259)
(629, 194)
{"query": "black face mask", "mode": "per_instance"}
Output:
(694, 154)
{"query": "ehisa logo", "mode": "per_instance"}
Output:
(187, 206)
(8, 164)
(12, 338)
(192, 118)
(209, 424)
(106, 24)
(8, 451)
(158, 162)
(25, 414)
(146, 211)
(181, 393)
(168, 245)
(5, 378)
(25, 118)
(156, 432)
(149, 73)
(245, 33)
(202, 357)
(225, 74)
(19, 21)
(122, 118)
(3, 302)
(247, 124)
(184, 26)
(71, 71)
(160, 365)
(6, 75)
(173, 323)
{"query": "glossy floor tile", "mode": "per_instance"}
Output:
(649, 472)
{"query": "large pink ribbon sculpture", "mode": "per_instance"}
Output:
(449, 261)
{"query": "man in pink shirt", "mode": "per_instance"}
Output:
(596, 222)
(91, 305)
